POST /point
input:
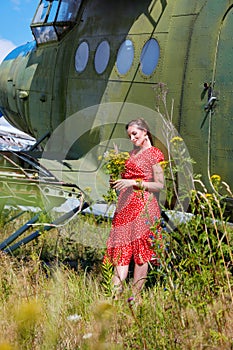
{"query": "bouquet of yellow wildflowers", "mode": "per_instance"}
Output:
(114, 165)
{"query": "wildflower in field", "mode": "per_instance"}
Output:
(216, 181)
(176, 139)
(164, 164)
(208, 199)
(131, 301)
(216, 178)
(74, 317)
(114, 165)
(87, 336)
(193, 192)
(114, 162)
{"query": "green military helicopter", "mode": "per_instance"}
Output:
(94, 65)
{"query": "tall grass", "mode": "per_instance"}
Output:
(62, 308)
(47, 302)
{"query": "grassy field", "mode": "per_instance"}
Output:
(55, 293)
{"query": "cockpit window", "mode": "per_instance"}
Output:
(44, 34)
(53, 11)
(54, 18)
(68, 10)
(42, 10)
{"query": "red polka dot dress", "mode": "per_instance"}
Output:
(130, 236)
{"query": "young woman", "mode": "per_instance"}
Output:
(137, 208)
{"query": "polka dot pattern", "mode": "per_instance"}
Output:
(136, 212)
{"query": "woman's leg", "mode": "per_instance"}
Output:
(120, 274)
(140, 275)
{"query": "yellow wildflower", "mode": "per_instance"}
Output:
(176, 138)
(114, 165)
(164, 163)
(216, 181)
(209, 196)
(215, 178)
(114, 162)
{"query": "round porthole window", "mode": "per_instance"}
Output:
(125, 57)
(81, 57)
(149, 56)
(102, 56)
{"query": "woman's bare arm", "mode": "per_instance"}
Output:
(153, 186)
(158, 183)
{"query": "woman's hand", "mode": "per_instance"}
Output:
(122, 184)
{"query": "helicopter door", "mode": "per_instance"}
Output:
(221, 129)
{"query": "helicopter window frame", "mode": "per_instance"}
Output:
(44, 34)
(60, 14)
(39, 11)
(53, 11)
(124, 61)
(82, 61)
(71, 10)
(102, 56)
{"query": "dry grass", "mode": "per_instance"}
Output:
(35, 310)
(51, 306)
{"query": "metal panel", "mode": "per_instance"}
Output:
(221, 133)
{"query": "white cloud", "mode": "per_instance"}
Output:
(6, 46)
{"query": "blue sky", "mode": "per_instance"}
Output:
(16, 16)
